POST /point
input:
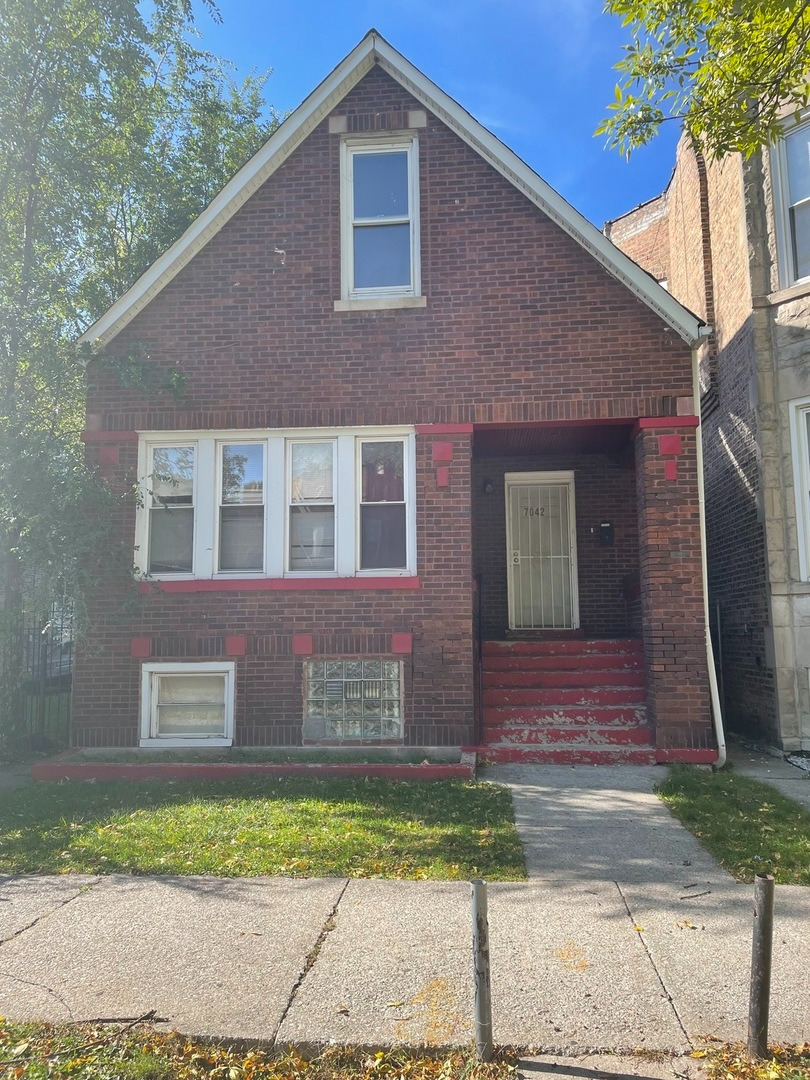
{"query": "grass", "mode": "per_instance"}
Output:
(94, 1052)
(749, 827)
(296, 826)
(731, 1062)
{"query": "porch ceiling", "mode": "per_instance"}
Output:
(493, 440)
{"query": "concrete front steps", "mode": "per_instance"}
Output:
(567, 701)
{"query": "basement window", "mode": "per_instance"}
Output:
(187, 704)
(357, 699)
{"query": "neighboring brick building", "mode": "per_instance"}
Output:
(734, 236)
(392, 330)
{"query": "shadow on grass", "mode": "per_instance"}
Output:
(291, 826)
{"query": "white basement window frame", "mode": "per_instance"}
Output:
(370, 218)
(790, 165)
(340, 555)
(167, 687)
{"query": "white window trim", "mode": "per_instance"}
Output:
(781, 201)
(407, 492)
(218, 449)
(348, 148)
(207, 481)
(226, 668)
(800, 449)
(289, 442)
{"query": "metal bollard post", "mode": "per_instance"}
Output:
(483, 999)
(761, 950)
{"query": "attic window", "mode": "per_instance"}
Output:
(380, 218)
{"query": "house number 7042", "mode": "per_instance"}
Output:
(533, 511)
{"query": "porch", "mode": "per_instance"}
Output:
(589, 626)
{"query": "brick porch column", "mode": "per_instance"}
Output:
(673, 625)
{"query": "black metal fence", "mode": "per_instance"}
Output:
(46, 654)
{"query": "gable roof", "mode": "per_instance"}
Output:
(374, 49)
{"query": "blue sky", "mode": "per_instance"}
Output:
(537, 73)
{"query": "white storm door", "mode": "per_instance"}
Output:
(541, 551)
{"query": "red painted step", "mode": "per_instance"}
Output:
(609, 755)
(568, 679)
(563, 715)
(550, 698)
(562, 648)
(544, 735)
(611, 661)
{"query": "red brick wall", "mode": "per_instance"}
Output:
(643, 234)
(520, 324)
(605, 491)
(672, 595)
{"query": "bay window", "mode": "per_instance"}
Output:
(277, 504)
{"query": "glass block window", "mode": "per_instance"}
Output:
(357, 699)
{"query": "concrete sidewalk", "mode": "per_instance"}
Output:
(626, 935)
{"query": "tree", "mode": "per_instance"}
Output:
(725, 68)
(117, 131)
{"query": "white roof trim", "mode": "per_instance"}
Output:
(288, 136)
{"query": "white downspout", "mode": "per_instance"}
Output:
(717, 714)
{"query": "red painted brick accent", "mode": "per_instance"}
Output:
(442, 477)
(140, 647)
(108, 455)
(235, 645)
(354, 584)
(443, 429)
(671, 470)
(669, 444)
(93, 436)
(442, 451)
(401, 643)
(303, 644)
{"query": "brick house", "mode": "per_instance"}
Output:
(434, 477)
(732, 240)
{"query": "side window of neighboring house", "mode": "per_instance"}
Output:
(800, 440)
(281, 504)
(791, 159)
(380, 218)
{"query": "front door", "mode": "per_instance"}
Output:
(541, 551)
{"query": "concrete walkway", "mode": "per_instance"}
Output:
(626, 935)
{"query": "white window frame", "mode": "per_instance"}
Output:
(349, 148)
(782, 205)
(800, 448)
(408, 499)
(149, 697)
(207, 482)
(219, 447)
(289, 443)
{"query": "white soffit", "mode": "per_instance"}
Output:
(374, 49)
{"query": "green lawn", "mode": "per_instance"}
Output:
(748, 826)
(295, 826)
(95, 1052)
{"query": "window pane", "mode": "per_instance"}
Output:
(171, 536)
(382, 256)
(311, 472)
(797, 147)
(241, 538)
(190, 720)
(172, 479)
(800, 230)
(382, 537)
(191, 689)
(380, 185)
(383, 472)
(242, 473)
(312, 538)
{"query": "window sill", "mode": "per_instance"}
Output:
(280, 584)
(381, 303)
(174, 744)
(783, 296)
